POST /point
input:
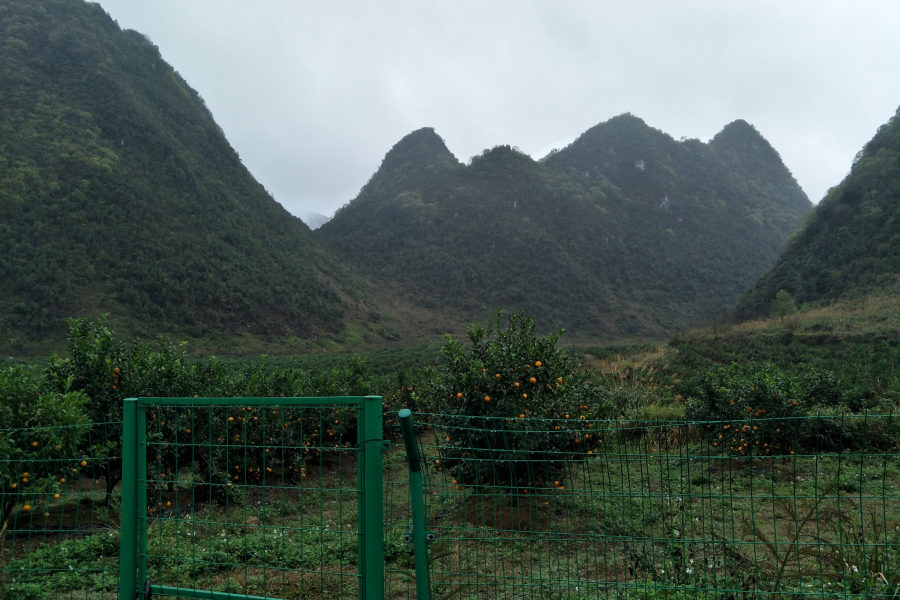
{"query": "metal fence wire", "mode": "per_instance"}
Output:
(60, 521)
(266, 498)
(569, 508)
(256, 497)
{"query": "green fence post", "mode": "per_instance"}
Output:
(418, 504)
(128, 513)
(371, 518)
(140, 497)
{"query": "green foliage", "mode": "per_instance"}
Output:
(486, 392)
(72, 564)
(849, 244)
(41, 436)
(107, 373)
(750, 409)
(783, 305)
(101, 369)
(747, 411)
(261, 547)
(626, 231)
(118, 191)
(855, 370)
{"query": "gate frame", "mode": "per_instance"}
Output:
(369, 477)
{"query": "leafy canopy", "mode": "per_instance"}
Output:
(490, 394)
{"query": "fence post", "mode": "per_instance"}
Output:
(418, 504)
(140, 497)
(372, 516)
(128, 513)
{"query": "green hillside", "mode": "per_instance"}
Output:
(626, 232)
(850, 244)
(118, 192)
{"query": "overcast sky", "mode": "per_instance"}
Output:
(313, 94)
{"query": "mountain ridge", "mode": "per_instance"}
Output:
(433, 229)
(849, 244)
(119, 193)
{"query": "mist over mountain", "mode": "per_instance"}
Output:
(849, 244)
(624, 232)
(314, 220)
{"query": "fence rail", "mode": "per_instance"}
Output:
(517, 507)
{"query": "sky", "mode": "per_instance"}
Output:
(313, 94)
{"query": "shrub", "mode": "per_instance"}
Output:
(819, 387)
(40, 439)
(107, 373)
(490, 394)
(747, 410)
(837, 430)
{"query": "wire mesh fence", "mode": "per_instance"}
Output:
(257, 497)
(60, 518)
(268, 505)
(720, 509)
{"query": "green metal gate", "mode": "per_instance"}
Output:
(226, 498)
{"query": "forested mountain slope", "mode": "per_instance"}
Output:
(624, 232)
(850, 244)
(119, 191)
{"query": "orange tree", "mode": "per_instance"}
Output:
(512, 410)
(106, 372)
(40, 440)
(221, 446)
(747, 411)
(238, 446)
(229, 448)
(759, 410)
